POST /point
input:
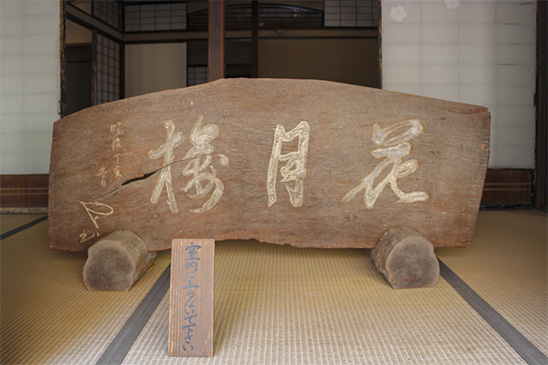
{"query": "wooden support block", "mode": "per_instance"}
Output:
(116, 262)
(191, 297)
(406, 259)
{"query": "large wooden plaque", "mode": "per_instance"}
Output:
(300, 162)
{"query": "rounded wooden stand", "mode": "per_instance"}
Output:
(116, 262)
(406, 259)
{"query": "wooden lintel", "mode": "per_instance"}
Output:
(186, 36)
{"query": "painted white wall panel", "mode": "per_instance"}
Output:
(406, 54)
(41, 63)
(440, 74)
(440, 33)
(12, 84)
(515, 115)
(11, 104)
(516, 33)
(11, 65)
(11, 45)
(41, 82)
(440, 54)
(477, 74)
(11, 161)
(404, 74)
(34, 122)
(12, 123)
(476, 52)
(404, 33)
(509, 13)
(435, 12)
(472, 94)
(446, 92)
(476, 34)
(29, 83)
(412, 11)
(35, 161)
(11, 26)
(37, 142)
(13, 142)
(477, 12)
(39, 24)
(515, 55)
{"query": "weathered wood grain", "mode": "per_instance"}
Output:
(191, 297)
(196, 162)
(406, 259)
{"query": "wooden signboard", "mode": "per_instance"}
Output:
(191, 298)
(300, 162)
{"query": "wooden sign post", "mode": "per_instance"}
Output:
(191, 297)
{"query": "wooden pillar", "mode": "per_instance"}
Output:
(216, 43)
(254, 39)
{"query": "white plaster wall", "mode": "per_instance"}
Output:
(472, 51)
(29, 83)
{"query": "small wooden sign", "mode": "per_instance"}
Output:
(191, 298)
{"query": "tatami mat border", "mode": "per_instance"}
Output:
(22, 228)
(529, 352)
(121, 344)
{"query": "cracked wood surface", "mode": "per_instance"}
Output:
(300, 162)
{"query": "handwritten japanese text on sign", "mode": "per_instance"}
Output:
(191, 298)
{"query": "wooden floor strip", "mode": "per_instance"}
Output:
(529, 352)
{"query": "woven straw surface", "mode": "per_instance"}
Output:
(13, 221)
(281, 305)
(47, 315)
(507, 266)
(278, 304)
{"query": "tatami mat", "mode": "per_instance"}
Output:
(47, 315)
(9, 222)
(279, 304)
(507, 266)
(308, 306)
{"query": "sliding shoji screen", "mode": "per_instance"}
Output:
(106, 63)
(351, 13)
(155, 17)
(108, 11)
(196, 75)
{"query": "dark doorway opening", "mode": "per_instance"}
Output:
(78, 78)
